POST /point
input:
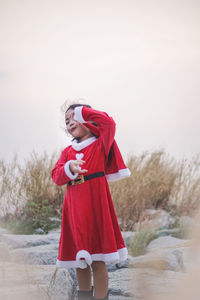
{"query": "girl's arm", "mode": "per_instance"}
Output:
(105, 124)
(62, 172)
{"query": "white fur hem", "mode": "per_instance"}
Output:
(79, 146)
(78, 114)
(119, 175)
(68, 171)
(111, 258)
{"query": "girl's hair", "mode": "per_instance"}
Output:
(73, 106)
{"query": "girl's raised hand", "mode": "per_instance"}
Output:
(75, 166)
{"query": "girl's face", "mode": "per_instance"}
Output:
(76, 129)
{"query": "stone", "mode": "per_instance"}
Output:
(38, 255)
(165, 253)
(159, 260)
(155, 219)
(156, 272)
(26, 241)
(125, 284)
(21, 282)
(4, 252)
(186, 225)
(165, 232)
(167, 242)
(39, 231)
(3, 231)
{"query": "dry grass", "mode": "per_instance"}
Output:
(28, 195)
(149, 186)
(185, 194)
(156, 181)
(9, 186)
(27, 191)
(140, 241)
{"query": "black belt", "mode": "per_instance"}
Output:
(82, 178)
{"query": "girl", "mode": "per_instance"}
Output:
(90, 234)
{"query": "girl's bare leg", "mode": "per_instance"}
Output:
(84, 278)
(100, 276)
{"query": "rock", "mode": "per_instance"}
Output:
(167, 242)
(152, 218)
(165, 232)
(40, 255)
(4, 252)
(187, 221)
(39, 231)
(20, 282)
(170, 259)
(165, 253)
(53, 219)
(26, 241)
(125, 284)
(186, 224)
(3, 231)
(172, 253)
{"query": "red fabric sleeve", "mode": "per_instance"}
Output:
(105, 126)
(58, 173)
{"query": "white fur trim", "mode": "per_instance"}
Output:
(83, 254)
(119, 175)
(78, 114)
(68, 171)
(79, 146)
(111, 258)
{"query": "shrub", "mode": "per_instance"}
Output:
(29, 197)
(38, 197)
(185, 194)
(140, 241)
(149, 186)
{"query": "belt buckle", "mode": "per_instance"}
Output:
(80, 179)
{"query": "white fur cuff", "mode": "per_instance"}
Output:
(68, 171)
(78, 114)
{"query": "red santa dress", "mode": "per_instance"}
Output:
(89, 229)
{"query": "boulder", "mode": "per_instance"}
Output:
(26, 241)
(4, 252)
(186, 225)
(161, 259)
(155, 218)
(164, 232)
(125, 284)
(39, 231)
(38, 255)
(167, 242)
(21, 282)
(3, 231)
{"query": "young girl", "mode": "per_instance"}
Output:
(90, 234)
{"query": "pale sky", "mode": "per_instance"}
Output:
(137, 60)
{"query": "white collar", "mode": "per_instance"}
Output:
(79, 146)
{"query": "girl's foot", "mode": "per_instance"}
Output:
(106, 298)
(85, 295)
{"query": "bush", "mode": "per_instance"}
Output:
(29, 197)
(140, 241)
(185, 194)
(38, 197)
(149, 186)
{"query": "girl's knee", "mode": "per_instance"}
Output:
(79, 270)
(97, 265)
